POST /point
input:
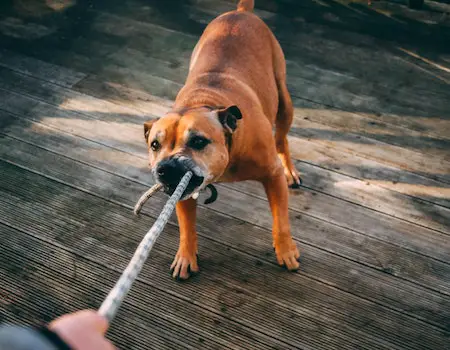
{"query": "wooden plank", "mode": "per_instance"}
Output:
(134, 10)
(154, 282)
(164, 69)
(17, 28)
(380, 199)
(29, 66)
(440, 197)
(369, 171)
(380, 151)
(306, 150)
(346, 87)
(346, 127)
(393, 145)
(244, 313)
(63, 280)
(363, 145)
(367, 125)
(123, 95)
(116, 139)
(149, 32)
(90, 56)
(335, 271)
(339, 99)
(130, 328)
(410, 236)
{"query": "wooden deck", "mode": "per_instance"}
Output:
(371, 137)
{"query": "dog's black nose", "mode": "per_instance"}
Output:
(170, 172)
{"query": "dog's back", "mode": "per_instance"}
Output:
(236, 52)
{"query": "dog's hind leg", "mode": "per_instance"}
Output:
(282, 125)
(283, 119)
(285, 247)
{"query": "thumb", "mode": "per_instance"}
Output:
(85, 318)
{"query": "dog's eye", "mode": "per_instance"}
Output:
(198, 142)
(155, 145)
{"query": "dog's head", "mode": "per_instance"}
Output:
(197, 140)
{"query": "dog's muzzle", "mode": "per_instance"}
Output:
(170, 171)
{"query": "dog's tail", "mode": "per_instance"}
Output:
(246, 5)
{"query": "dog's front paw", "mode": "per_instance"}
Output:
(184, 265)
(293, 178)
(287, 255)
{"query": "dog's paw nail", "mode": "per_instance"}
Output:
(287, 256)
(181, 279)
(183, 267)
(291, 265)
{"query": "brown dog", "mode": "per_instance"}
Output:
(221, 127)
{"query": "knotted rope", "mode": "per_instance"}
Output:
(111, 304)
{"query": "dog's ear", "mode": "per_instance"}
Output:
(228, 118)
(147, 127)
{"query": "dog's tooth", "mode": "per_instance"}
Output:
(195, 195)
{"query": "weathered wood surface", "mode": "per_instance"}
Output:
(153, 69)
(370, 135)
(129, 133)
(88, 215)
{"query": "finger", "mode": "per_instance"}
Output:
(93, 319)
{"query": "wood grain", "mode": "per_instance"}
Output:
(370, 135)
(127, 138)
(256, 241)
(47, 203)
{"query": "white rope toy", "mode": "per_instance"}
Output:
(111, 304)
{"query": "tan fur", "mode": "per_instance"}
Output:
(237, 61)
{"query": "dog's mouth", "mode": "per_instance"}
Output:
(195, 185)
(169, 172)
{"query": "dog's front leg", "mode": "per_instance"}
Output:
(185, 261)
(285, 248)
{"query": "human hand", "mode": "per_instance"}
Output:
(83, 330)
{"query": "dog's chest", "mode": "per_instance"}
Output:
(242, 171)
